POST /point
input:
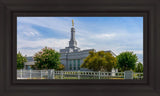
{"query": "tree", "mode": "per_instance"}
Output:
(99, 61)
(47, 58)
(139, 67)
(60, 67)
(126, 61)
(20, 61)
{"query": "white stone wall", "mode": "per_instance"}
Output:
(65, 57)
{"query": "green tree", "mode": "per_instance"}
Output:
(47, 58)
(20, 61)
(139, 67)
(99, 61)
(60, 67)
(126, 61)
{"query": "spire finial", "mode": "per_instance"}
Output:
(72, 22)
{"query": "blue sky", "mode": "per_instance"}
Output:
(118, 34)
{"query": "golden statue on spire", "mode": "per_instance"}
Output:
(72, 22)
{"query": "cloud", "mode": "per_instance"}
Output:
(28, 52)
(29, 48)
(138, 51)
(47, 22)
(26, 32)
(29, 33)
(50, 42)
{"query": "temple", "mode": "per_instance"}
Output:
(72, 56)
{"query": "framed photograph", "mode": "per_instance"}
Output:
(98, 48)
(79, 48)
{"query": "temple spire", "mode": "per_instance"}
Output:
(72, 42)
(72, 22)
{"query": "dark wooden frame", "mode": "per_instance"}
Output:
(10, 9)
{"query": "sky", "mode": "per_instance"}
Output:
(118, 34)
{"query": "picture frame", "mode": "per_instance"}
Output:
(10, 86)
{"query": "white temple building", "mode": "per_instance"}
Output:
(72, 56)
